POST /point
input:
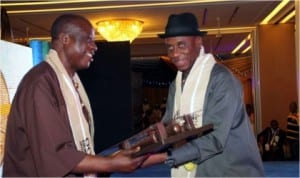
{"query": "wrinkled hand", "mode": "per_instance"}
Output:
(122, 160)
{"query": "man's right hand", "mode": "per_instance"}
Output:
(123, 161)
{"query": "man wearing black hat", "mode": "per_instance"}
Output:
(209, 93)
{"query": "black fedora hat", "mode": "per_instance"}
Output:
(184, 24)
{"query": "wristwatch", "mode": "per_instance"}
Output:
(170, 161)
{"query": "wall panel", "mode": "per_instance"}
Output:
(277, 62)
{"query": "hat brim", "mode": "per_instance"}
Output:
(167, 35)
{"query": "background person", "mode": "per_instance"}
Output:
(208, 90)
(50, 125)
(292, 131)
(272, 140)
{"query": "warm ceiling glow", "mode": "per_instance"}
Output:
(92, 7)
(31, 3)
(288, 17)
(274, 12)
(120, 29)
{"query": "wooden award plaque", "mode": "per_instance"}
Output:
(159, 136)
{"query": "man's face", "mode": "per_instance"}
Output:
(82, 47)
(183, 51)
(274, 124)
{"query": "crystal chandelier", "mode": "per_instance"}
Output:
(120, 29)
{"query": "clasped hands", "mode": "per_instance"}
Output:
(125, 161)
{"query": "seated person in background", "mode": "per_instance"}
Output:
(146, 107)
(272, 140)
(156, 115)
(163, 106)
(146, 119)
(292, 132)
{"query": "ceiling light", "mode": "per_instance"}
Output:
(247, 49)
(288, 17)
(241, 44)
(274, 12)
(120, 29)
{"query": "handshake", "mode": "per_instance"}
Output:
(159, 136)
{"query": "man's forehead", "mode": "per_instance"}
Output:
(178, 39)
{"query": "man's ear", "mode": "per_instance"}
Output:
(199, 41)
(64, 38)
